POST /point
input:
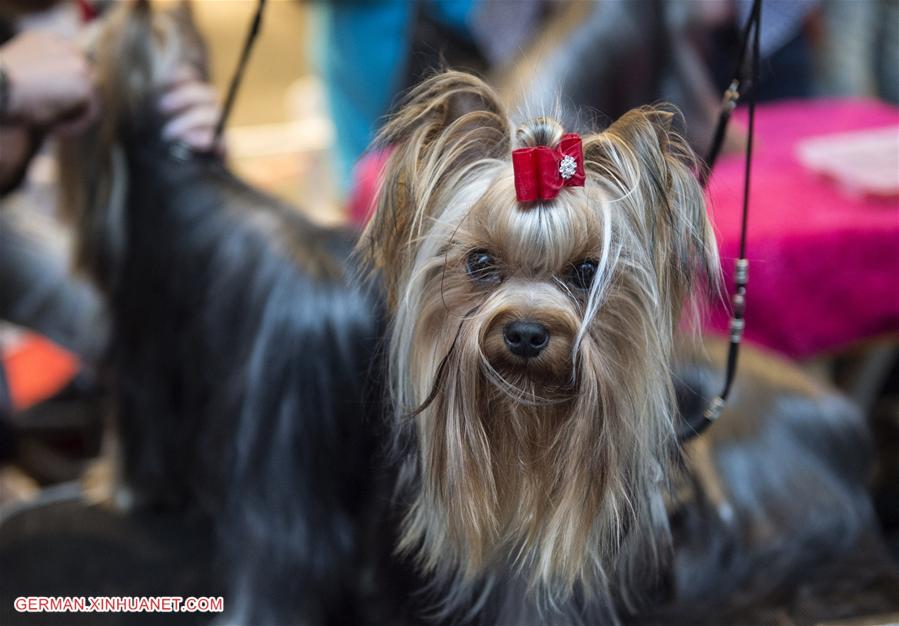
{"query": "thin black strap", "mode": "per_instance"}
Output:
(731, 97)
(239, 71)
(693, 426)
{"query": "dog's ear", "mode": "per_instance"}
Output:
(445, 128)
(653, 175)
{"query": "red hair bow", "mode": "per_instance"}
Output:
(542, 171)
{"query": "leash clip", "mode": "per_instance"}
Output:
(714, 409)
(731, 96)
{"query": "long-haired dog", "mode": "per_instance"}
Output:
(531, 372)
(239, 350)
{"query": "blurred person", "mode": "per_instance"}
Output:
(370, 51)
(787, 68)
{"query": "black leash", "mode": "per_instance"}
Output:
(252, 34)
(695, 426)
(729, 103)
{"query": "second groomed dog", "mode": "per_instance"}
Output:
(239, 350)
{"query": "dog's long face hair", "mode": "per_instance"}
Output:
(531, 342)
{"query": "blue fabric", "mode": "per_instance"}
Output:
(453, 13)
(362, 55)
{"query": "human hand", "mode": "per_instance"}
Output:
(192, 108)
(50, 82)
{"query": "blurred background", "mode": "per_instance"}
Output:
(824, 234)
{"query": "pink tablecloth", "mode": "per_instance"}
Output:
(824, 266)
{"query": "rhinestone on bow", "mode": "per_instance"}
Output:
(567, 166)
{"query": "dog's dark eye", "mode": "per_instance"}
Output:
(481, 266)
(582, 273)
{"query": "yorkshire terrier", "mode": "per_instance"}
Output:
(536, 282)
(239, 348)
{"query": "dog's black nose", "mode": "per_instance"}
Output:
(526, 339)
